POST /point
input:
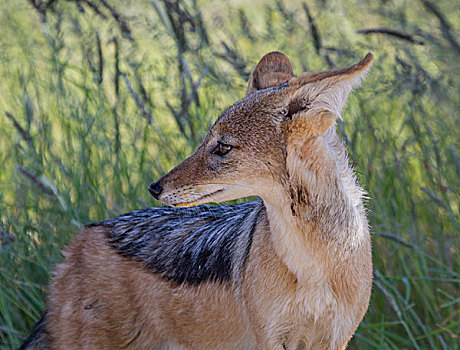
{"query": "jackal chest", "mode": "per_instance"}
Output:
(314, 319)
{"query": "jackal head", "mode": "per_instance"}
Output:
(245, 152)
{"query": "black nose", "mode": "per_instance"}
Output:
(155, 189)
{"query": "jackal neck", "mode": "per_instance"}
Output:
(320, 207)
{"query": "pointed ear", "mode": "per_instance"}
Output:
(325, 93)
(273, 69)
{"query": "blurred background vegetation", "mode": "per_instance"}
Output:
(98, 98)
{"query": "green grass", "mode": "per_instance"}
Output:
(90, 125)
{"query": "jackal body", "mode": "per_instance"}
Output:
(292, 271)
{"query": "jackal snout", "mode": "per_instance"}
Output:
(291, 271)
(244, 154)
(239, 157)
(155, 189)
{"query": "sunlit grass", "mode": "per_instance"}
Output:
(77, 148)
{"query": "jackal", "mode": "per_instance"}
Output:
(290, 271)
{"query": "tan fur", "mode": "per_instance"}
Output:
(307, 280)
(273, 69)
(100, 300)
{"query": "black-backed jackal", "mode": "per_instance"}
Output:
(291, 271)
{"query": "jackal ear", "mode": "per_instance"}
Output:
(272, 70)
(325, 93)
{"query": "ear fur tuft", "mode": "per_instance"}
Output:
(329, 90)
(317, 98)
(359, 68)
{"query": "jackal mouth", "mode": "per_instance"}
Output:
(197, 201)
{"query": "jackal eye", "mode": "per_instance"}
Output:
(222, 149)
